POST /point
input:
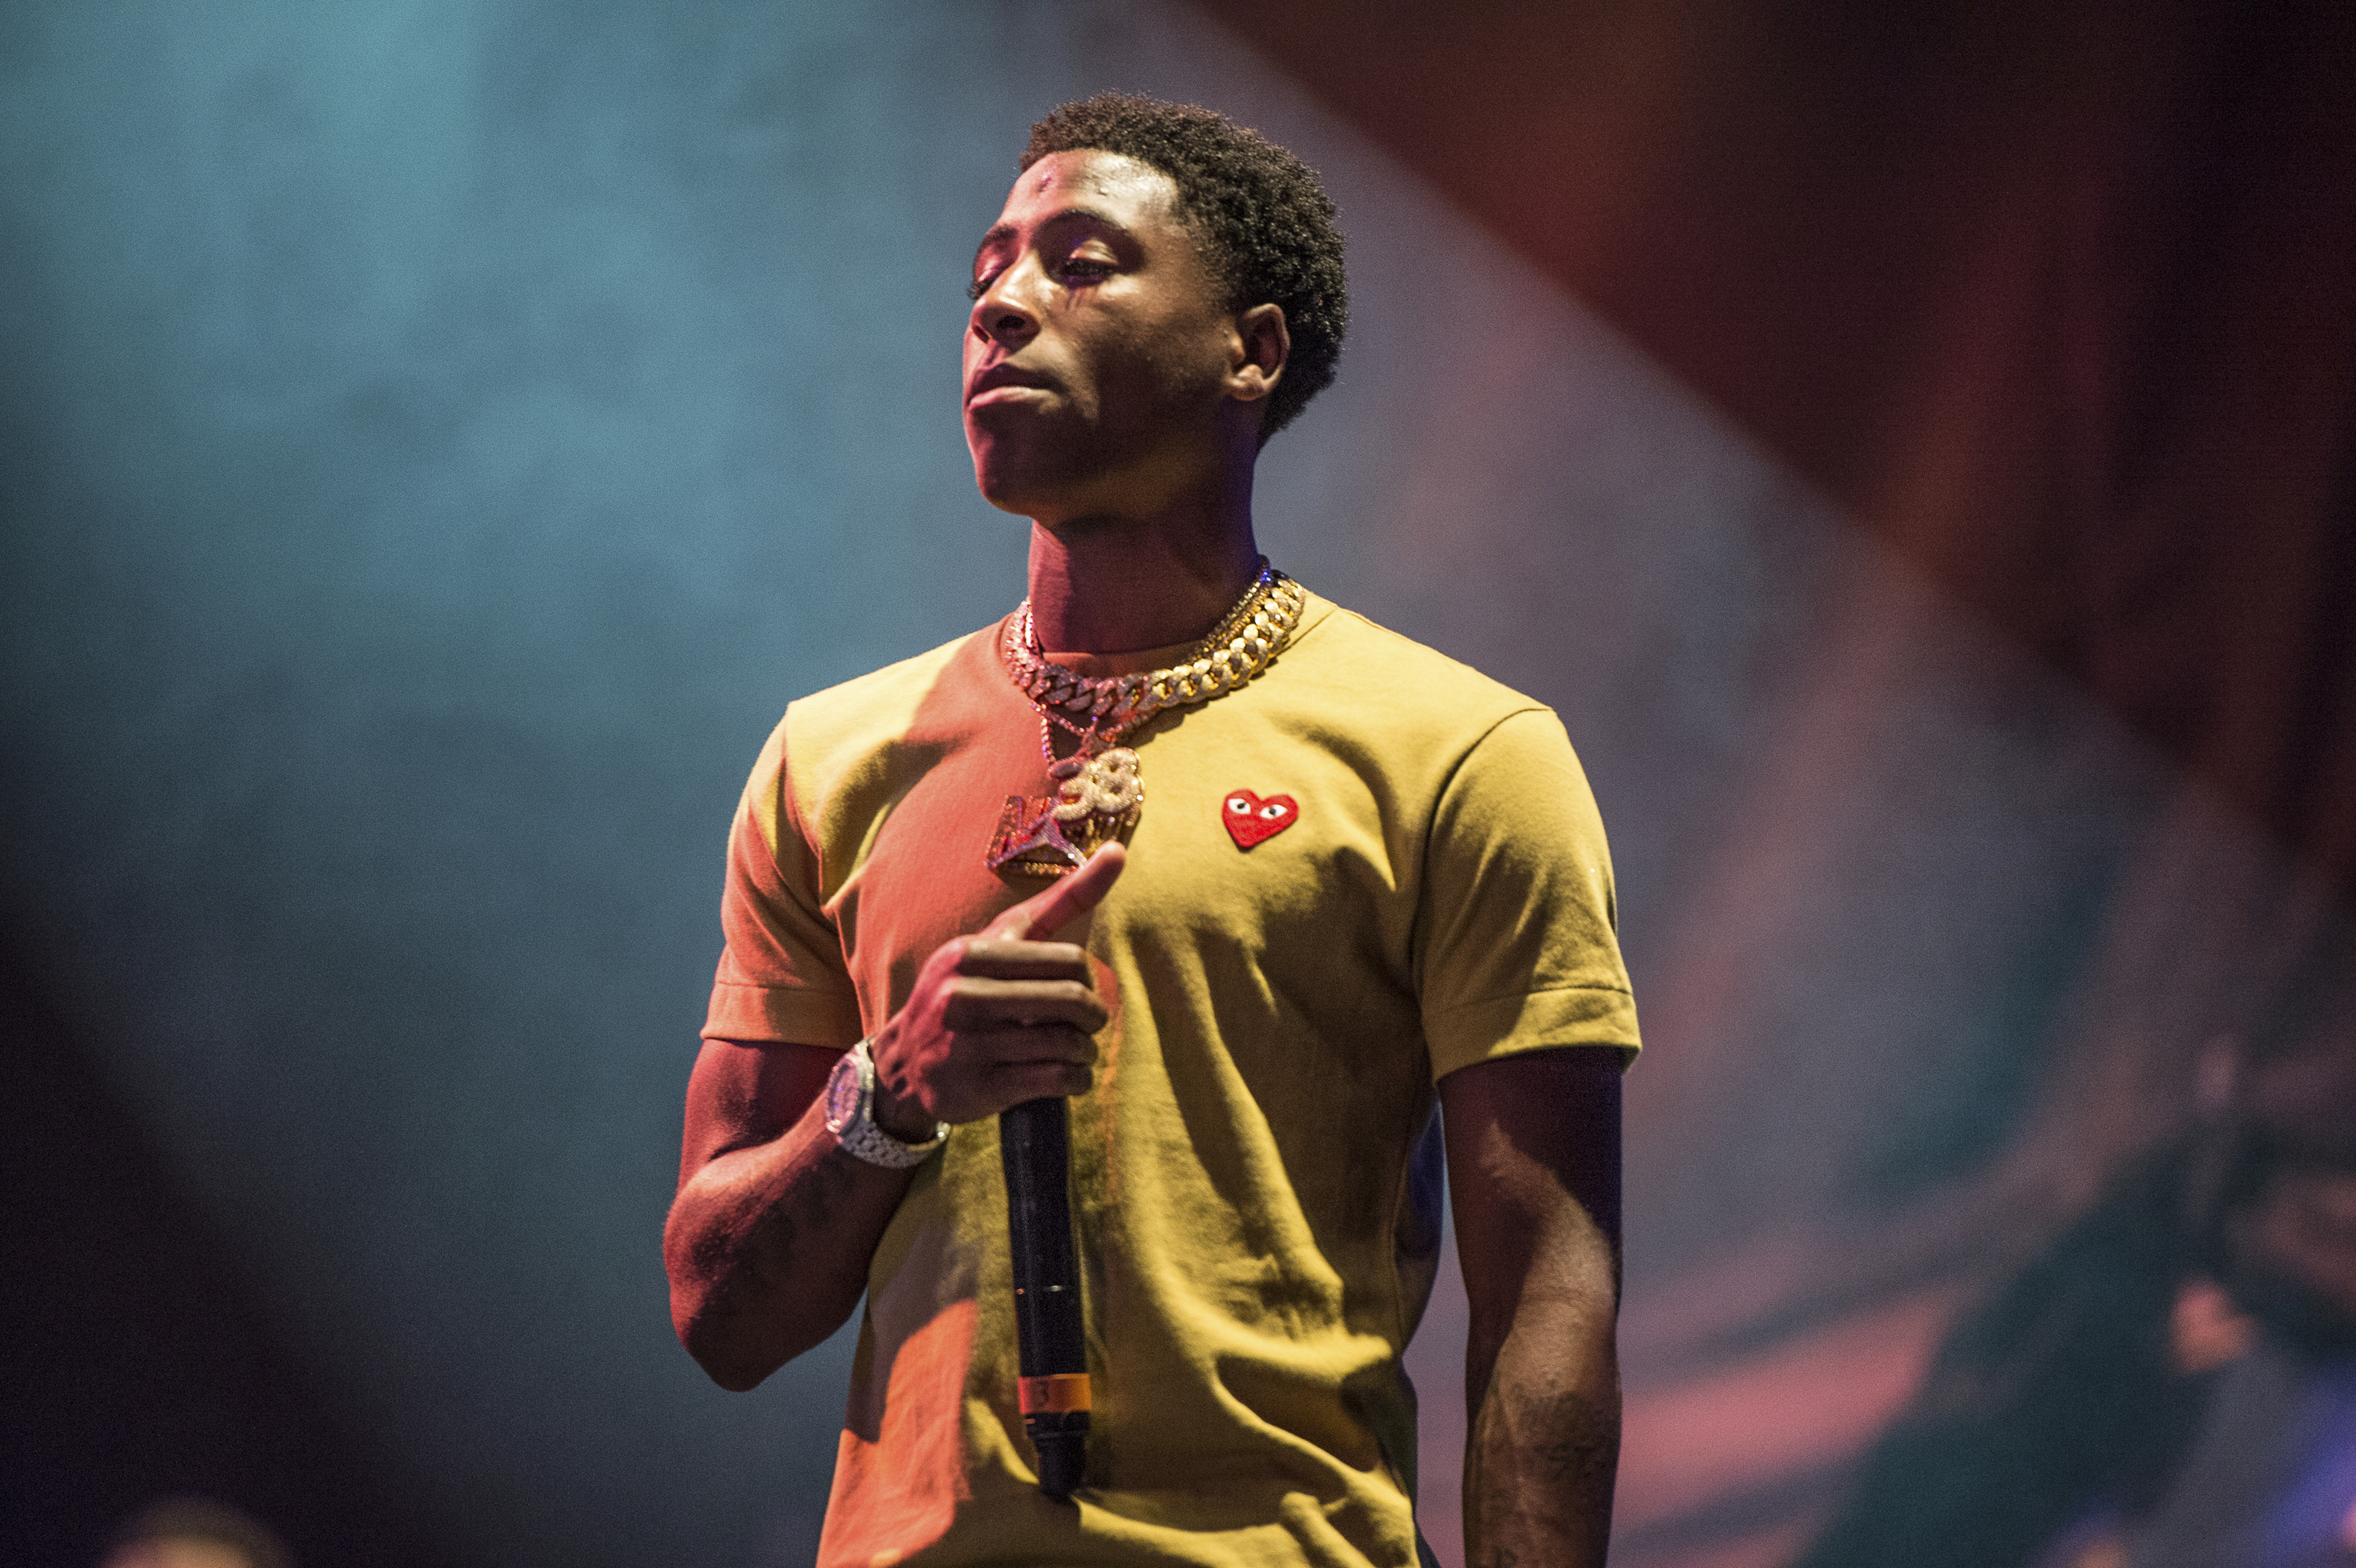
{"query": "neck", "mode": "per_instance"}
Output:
(1118, 584)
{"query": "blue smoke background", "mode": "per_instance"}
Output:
(441, 436)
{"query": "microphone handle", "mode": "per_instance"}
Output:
(1034, 1139)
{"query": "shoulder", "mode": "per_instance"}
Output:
(1347, 644)
(896, 688)
(832, 737)
(1494, 765)
(1375, 680)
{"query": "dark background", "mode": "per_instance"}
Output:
(1910, 445)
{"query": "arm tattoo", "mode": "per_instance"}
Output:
(1573, 1438)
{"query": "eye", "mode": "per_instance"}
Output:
(1272, 811)
(1085, 270)
(981, 285)
(1240, 805)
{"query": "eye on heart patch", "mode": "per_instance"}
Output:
(1251, 820)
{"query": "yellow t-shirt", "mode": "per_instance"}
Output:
(1437, 894)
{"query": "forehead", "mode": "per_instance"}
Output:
(1134, 195)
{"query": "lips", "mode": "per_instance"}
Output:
(1001, 377)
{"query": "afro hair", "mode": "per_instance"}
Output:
(1263, 219)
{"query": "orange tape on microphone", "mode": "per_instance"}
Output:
(1055, 1395)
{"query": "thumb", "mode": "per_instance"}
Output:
(1043, 914)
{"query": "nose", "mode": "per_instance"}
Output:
(1001, 316)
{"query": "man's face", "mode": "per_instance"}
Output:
(1098, 351)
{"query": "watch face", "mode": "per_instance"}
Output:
(842, 1093)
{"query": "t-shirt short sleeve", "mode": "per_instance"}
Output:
(1517, 948)
(782, 976)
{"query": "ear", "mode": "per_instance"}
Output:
(1257, 352)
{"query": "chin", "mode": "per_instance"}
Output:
(999, 486)
(1012, 486)
(1006, 501)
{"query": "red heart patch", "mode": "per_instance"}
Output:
(1251, 820)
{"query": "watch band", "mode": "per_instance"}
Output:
(850, 1112)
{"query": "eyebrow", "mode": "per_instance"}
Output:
(1000, 231)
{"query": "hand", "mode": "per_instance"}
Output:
(998, 1018)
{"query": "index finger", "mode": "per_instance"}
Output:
(1045, 912)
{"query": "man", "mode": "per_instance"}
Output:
(1239, 873)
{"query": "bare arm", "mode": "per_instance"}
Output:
(774, 1224)
(1533, 1174)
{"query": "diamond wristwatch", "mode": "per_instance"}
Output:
(850, 1116)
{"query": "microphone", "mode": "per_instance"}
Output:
(1034, 1140)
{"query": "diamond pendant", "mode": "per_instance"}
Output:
(1098, 797)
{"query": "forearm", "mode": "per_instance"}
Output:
(1542, 1442)
(769, 1247)
(776, 1224)
(1534, 1176)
